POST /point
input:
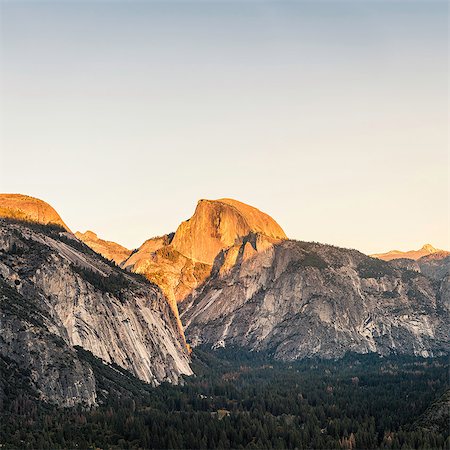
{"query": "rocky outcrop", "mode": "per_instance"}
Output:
(217, 224)
(54, 368)
(427, 249)
(437, 267)
(180, 262)
(23, 207)
(87, 301)
(173, 272)
(110, 250)
(297, 299)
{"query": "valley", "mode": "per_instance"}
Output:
(247, 400)
(223, 334)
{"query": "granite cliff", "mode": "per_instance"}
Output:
(182, 261)
(297, 299)
(56, 293)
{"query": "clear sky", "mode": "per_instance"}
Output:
(330, 116)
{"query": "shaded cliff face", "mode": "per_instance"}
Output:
(28, 342)
(437, 267)
(179, 263)
(299, 299)
(88, 302)
(23, 207)
(426, 250)
(110, 250)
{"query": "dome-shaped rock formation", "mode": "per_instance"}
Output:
(30, 209)
(178, 263)
(217, 224)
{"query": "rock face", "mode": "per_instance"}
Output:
(297, 299)
(180, 262)
(27, 341)
(427, 249)
(173, 272)
(23, 207)
(437, 267)
(81, 299)
(110, 250)
(217, 224)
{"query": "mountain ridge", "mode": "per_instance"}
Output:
(425, 250)
(30, 209)
(109, 249)
(180, 262)
(301, 299)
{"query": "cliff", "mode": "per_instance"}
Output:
(86, 301)
(298, 299)
(30, 209)
(180, 262)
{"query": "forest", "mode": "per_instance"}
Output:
(241, 400)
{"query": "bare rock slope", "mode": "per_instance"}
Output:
(110, 250)
(24, 207)
(297, 299)
(82, 300)
(181, 261)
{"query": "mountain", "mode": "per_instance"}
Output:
(217, 224)
(435, 265)
(236, 278)
(56, 294)
(30, 209)
(427, 249)
(110, 250)
(297, 299)
(181, 261)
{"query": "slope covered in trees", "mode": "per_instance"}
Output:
(243, 400)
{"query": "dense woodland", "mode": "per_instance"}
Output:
(241, 400)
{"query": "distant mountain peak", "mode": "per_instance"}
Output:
(426, 249)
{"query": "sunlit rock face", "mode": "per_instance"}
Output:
(110, 250)
(173, 272)
(297, 299)
(217, 224)
(427, 249)
(179, 263)
(85, 301)
(28, 341)
(23, 207)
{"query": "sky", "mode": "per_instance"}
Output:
(331, 116)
